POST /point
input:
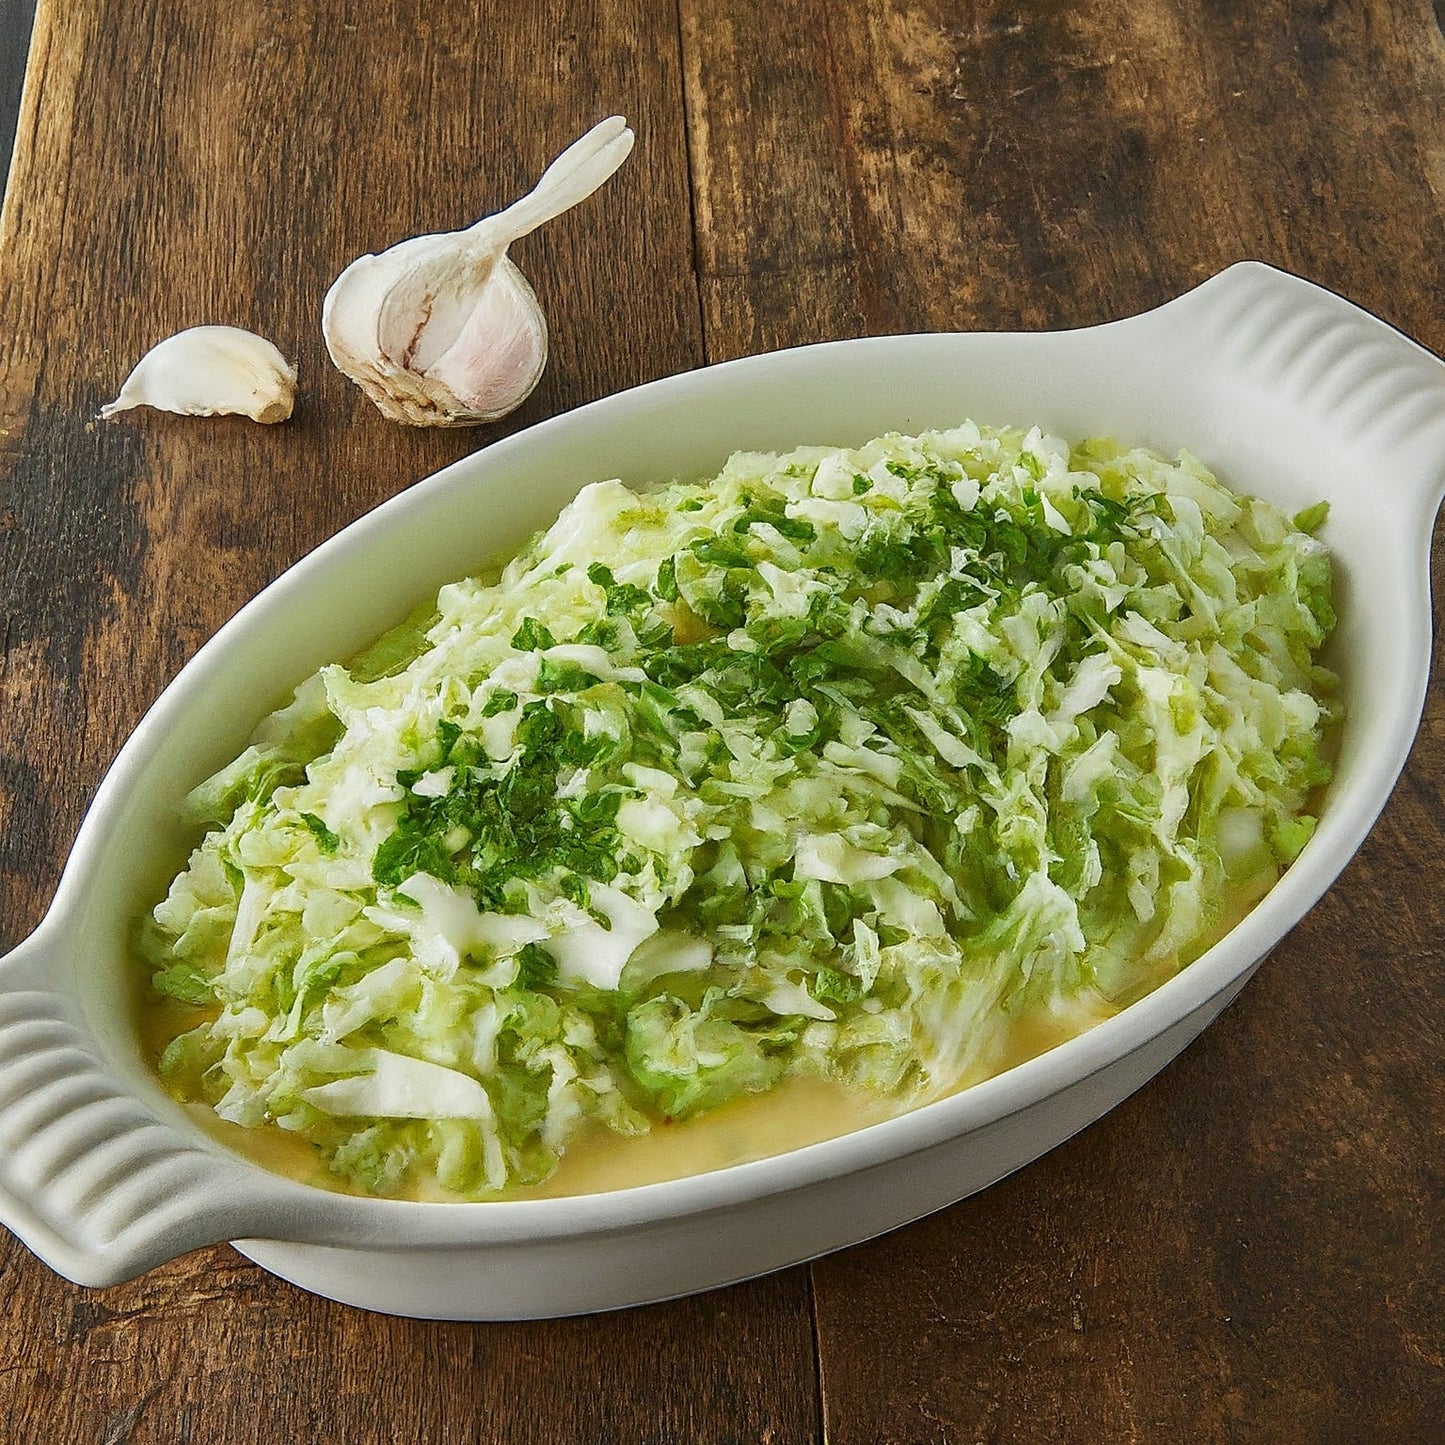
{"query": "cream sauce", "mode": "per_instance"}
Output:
(798, 1111)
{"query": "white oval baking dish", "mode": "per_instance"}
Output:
(1289, 391)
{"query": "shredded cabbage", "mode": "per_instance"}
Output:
(841, 763)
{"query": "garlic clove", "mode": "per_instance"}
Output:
(498, 353)
(444, 330)
(211, 371)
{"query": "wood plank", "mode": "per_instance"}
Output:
(181, 164)
(885, 167)
(1249, 1248)
(212, 1348)
(1243, 1251)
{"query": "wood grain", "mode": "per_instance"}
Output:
(213, 1349)
(181, 164)
(1246, 1250)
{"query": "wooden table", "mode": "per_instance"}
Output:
(1249, 1249)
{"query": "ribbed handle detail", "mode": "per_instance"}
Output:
(89, 1179)
(1299, 342)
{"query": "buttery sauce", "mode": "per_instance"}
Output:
(798, 1111)
(803, 1109)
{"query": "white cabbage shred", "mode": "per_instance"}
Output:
(841, 763)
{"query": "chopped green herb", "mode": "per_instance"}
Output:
(326, 840)
(500, 701)
(899, 747)
(532, 636)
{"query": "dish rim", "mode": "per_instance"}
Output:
(449, 1224)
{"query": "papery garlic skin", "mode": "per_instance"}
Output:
(483, 365)
(444, 330)
(211, 371)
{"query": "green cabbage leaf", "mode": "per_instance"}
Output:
(844, 763)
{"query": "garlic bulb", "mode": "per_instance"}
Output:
(211, 371)
(444, 330)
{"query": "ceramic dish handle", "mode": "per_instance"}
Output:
(90, 1180)
(1285, 336)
